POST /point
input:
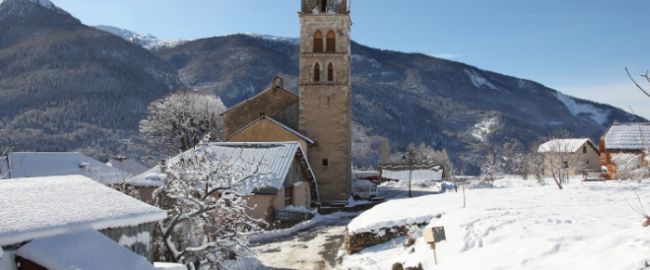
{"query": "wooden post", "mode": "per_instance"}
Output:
(464, 200)
(435, 256)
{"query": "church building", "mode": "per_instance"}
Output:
(323, 107)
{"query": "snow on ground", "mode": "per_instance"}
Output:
(393, 213)
(597, 115)
(522, 225)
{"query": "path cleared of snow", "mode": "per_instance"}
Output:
(316, 248)
(526, 226)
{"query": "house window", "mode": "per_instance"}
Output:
(317, 72)
(318, 42)
(288, 196)
(326, 162)
(330, 72)
(331, 42)
(584, 149)
(565, 164)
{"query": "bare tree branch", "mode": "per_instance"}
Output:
(637, 84)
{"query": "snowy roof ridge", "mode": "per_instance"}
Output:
(564, 145)
(45, 206)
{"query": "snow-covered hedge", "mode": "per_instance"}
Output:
(394, 214)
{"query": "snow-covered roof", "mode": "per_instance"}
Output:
(283, 126)
(129, 166)
(416, 174)
(87, 249)
(563, 145)
(38, 207)
(275, 159)
(630, 136)
(38, 164)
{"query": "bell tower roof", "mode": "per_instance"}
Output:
(325, 7)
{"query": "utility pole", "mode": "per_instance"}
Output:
(409, 158)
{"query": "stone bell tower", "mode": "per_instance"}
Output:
(325, 91)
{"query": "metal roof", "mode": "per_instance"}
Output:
(274, 159)
(629, 136)
(37, 164)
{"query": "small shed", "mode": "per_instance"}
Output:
(286, 182)
(419, 174)
(38, 208)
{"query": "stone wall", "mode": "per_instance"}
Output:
(357, 242)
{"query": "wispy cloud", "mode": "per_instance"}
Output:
(561, 16)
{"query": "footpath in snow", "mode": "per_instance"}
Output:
(521, 225)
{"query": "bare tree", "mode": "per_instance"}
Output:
(639, 208)
(207, 215)
(179, 121)
(5, 163)
(646, 76)
(490, 170)
(560, 160)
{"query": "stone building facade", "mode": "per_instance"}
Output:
(325, 93)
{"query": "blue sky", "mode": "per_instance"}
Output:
(579, 47)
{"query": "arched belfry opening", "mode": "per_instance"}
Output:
(331, 42)
(330, 72)
(317, 72)
(323, 5)
(318, 42)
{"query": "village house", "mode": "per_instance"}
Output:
(418, 174)
(573, 156)
(284, 189)
(73, 222)
(625, 145)
(39, 164)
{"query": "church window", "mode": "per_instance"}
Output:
(330, 72)
(318, 42)
(326, 162)
(331, 42)
(317, 73)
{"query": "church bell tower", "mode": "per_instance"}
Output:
(325, 93)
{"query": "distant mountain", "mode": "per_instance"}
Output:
(65, 86)
(146, 41)
(408, 98)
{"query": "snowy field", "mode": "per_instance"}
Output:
(519, 225)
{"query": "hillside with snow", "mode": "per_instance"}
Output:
(147, 41)
(518, 225)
